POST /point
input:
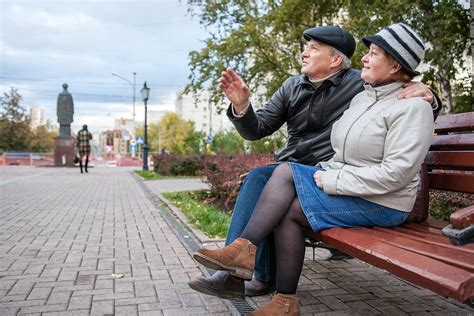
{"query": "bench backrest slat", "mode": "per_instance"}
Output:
(453, 142)
(459, 182)
(455, 160)
(454, 123)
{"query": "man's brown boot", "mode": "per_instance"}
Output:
(221, 284)
(281, 304)
(238, 258)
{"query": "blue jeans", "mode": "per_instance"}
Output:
(254, 182)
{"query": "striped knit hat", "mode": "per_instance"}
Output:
(402, 43)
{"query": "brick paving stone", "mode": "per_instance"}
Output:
(102, 307)
(80, 302)
(60, 247)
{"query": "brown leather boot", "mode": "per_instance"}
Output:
(281, 304)
(238, 258)
(220, 284)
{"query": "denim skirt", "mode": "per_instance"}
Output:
(325, 210)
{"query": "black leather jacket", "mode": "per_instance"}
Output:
(308, 112)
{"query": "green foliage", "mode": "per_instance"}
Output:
(15, 133)
(203, 216)
(261, 40)
(266, 145)
(443, 203)
(178, 136)
(177, 165)
(42, 139)
(150, 175)
(227, 143)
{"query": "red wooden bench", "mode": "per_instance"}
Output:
(417, 251)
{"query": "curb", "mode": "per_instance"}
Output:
(203, 238)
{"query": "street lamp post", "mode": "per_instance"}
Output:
(133, 84)
(145, 94)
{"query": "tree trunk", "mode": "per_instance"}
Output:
(446, 93)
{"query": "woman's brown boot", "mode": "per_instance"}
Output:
(281, 304)
(238, 258)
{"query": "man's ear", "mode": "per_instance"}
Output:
(336, 60)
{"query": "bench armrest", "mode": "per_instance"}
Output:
(463, 218)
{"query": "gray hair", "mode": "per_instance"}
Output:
(346, 61)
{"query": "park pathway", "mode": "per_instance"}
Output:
(103, 243)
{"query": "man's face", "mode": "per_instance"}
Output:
(317, 60)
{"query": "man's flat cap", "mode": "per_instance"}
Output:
(334, 36)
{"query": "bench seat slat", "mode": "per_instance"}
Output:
(431, 239)
(452, 182)
(449, 254)
(442, 278)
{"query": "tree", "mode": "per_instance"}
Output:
(42, 139)
(178, 136)
(432, 19)
(267, 145)
(15, 133)
(262, 40)
(227, 143)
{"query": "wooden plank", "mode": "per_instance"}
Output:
(437, 240)
(456, 160)
(458, 182)
(429, 239)
(442, 278)
(453, 142)
(463, 218)
(451, 255)
(454, 123)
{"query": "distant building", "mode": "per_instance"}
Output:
(203, 113)
(36, 117)
(155, 116)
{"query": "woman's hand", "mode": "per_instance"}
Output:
(317, 178)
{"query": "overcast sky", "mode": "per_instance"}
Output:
(44, 43)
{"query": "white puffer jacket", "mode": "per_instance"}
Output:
(380, 143)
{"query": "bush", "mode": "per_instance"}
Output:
(177, 165)
(227, 143)
(222, 173)
(443, 203)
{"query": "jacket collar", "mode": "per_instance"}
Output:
(334, 80)
(382, 91)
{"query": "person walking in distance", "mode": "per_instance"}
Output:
(83, 146)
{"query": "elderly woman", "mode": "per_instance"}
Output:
(379, 143)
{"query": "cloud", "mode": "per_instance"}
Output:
(49, 42)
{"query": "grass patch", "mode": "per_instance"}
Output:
(204, 216)
(152, 175)
(149, 175)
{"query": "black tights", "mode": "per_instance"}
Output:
(278, 210)
(87, 162)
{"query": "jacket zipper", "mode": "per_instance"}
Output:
(347, 134)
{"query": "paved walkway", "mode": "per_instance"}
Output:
(99, 244)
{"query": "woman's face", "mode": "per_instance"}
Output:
(378, 67)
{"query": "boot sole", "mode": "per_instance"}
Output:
(216, 265)
(221, 293)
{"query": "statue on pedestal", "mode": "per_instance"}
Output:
(65, 111)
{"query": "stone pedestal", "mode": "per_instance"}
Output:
(64, 151)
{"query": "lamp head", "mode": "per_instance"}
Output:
(145, 91)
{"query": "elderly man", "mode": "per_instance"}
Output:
(309, 104)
